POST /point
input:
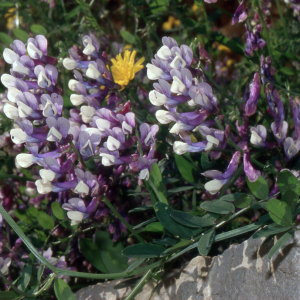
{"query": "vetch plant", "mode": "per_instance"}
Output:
(113, 170)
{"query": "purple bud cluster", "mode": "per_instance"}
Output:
(254, 41)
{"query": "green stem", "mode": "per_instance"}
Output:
(282, 19)
(5, 176)
(265, 28)
(236, 175)
(117, 214)
(78, 154)
(137, 288)
(58, 271)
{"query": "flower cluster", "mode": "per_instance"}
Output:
(102, 131)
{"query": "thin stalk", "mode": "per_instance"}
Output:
(236, 175)
(117, 214)
(58, 271)
(265, 28)
(282, 18)
(138, 287)
(78, 154)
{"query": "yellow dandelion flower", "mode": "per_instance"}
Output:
(124, 69)
(127, 47)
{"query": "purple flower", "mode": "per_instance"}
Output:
(250, 172)
(4, 265)
(251, 104)
(291, 147)
(295, 108)
(254, 41)
(77, 211)
(240, 14)
(266, 69)
(220, 179)
(279, 126)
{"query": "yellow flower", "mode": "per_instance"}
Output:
(223, 48)
(172, 22)
(11, 19)
(195, 8)
(124, 69)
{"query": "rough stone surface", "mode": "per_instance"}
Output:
(242, 272)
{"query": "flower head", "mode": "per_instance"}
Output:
(124, 69)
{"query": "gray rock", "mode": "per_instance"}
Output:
(242, 272)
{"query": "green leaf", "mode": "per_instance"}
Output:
(7, 4)
(21, 34)
(33, 211)
(154, 227)
(231, 197)
(163, 213)
(243, 201)
(179, 189)
(127, 36)
(158, 6)
(286, 181)
(6, 39)
(103, 253)
(167, 241)
(75, 11)
(135, 264)
(9, 295)
(218, 207)
(287, 71)
(58, 211)
(206, 164)
(141, 208)
(189, 220)
(179, 245)
(143, 251)
(291, 199)
(111, 252)
(281, 242)
(145, 223)
(236, 232)
(45, 220)
(156, 186)
(22, 216)
(186, 168)
(92, 254)
(270, 230)
(41, 235)
(206, 241)
(62, 290)
(280, 212)
(38, 29)
(259, 188)
(25, 278)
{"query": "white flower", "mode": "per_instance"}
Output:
(113, 144)
(69, 64)
(33, 51)
(87, 113)
(154, 72)
(164, 53)
(107, 159)
(157, 99)
(10, 56)
(92, 72)
(18, 136)
(77, 99)
(178, 62)
(214, 186)
(25, 160)
(43, 187)
(82, 188)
